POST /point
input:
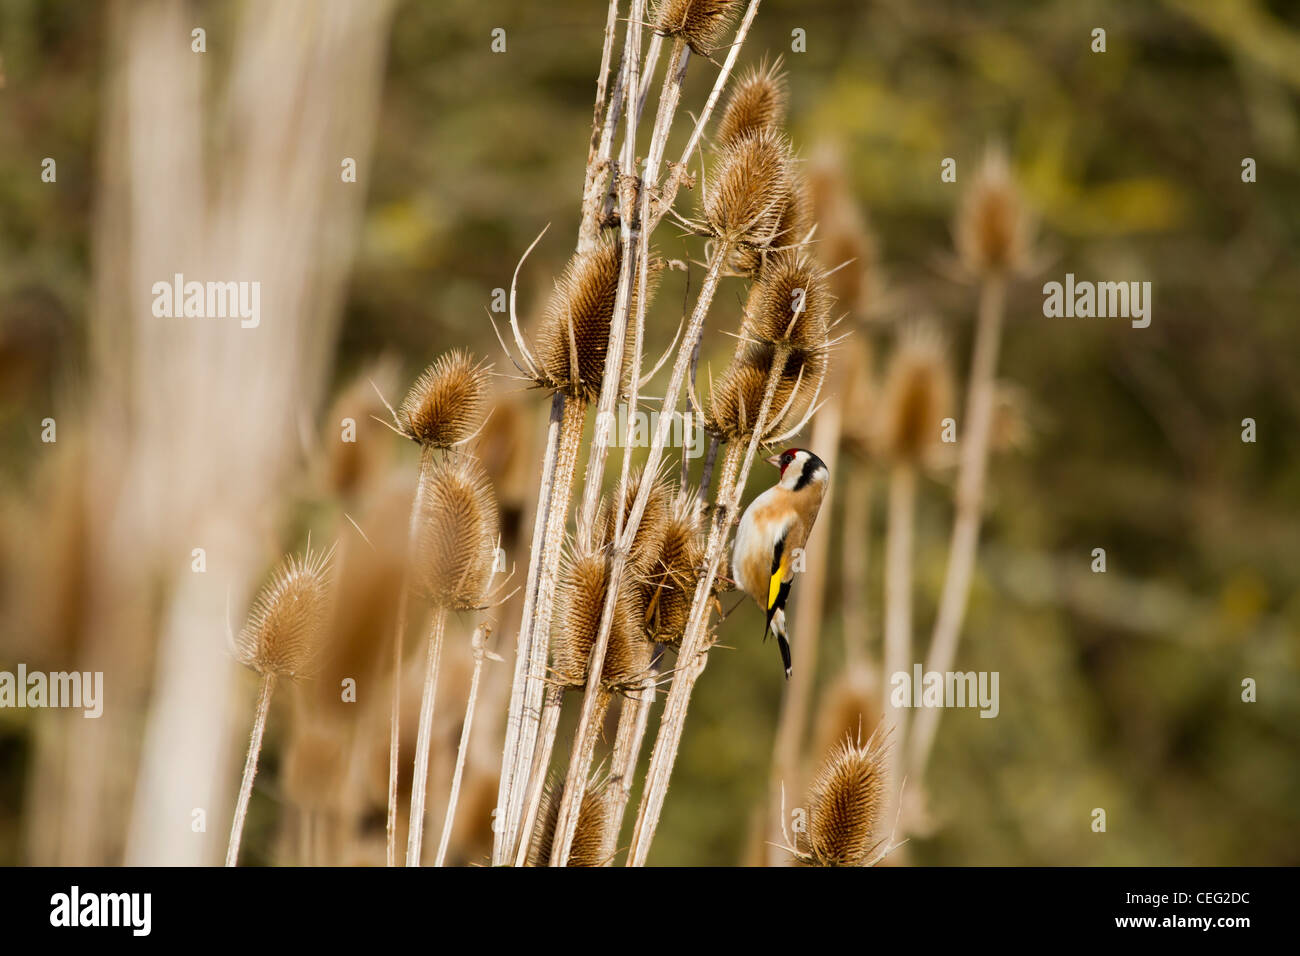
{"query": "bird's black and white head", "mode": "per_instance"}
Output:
(800, 468)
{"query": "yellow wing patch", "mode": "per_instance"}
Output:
(774, 585)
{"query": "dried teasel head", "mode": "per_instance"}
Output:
(699, 23)
(992, 228)
(852, 705)
(446, 402)
(845, 242)
(457, 534)
(791, 302)
(737, 396)
(574, 336)
(856, 376)
(793, 225)
(757, 101)
(580, 600)
(654, 519)
(351, 466)
(283, 632)
(917, 396)
(744, 202)
(670, 585)
(588, 847)
(845, 803)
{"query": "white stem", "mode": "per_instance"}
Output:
(399, 635)
(250, 769)
(537, 780)
(424, 742)
(462, 750)
(966, 521)
(898, 617)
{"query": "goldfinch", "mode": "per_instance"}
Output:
(773, 527)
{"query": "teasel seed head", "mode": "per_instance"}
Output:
(580, 599)
(670, 586)
(737, 396)
(446, 402)
(654, 520)
(917, 396)
(790, 302)
(845, 803)
(743, 204)
(793, 225)
(992, 227)
(855, 372)
(757, 101)
(845, 242)
(588, 844)
(457, 536)
(700, 23)
(574, 336)
(283, 632)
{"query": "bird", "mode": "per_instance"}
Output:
(772, 530)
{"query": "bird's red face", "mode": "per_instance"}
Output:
(784, 459)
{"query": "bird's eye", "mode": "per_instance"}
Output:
(787, 458)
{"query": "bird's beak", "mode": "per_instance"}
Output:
(774, 461)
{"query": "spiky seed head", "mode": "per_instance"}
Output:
(744, 201)
(577, 320)
(757, 101)
(350, 466)
(670, 585)
(446, 402)
(917, 396)
(457, 534)
(737, 396)
(790, 302)
(857, 378)
(588, 847)
(283, 632)
(845, 803)
(580, 600)
(654, 519)
(700, 23)
(845, 242)
(992, 225)
(792, 227)
(852, 705)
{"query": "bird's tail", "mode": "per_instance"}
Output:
(777, 626)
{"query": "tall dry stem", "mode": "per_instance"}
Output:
(250, 769)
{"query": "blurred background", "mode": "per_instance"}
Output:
(1120, 690)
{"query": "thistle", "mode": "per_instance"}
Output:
(845, 804)
(757, 102)
(446, 402)
(589, 838)
(581, 597)
(280, 639)
(992, 228)
(743, 206)
(698, 23)
(670, 585)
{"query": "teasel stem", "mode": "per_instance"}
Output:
(693, 656)
(566, 822)
(250, 769)
(633, 721)
(599, 171)
(898, 614)
(462, 750)
(972, 467)
(399, 634)
(793, 721)
(563, 438)
(674, 181)
(420, 777)
(854, 562)
(550, 724)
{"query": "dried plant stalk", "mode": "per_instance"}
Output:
(550, 724)
(980, 401)
(462, 750)
(250, 768)
(898, 609)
